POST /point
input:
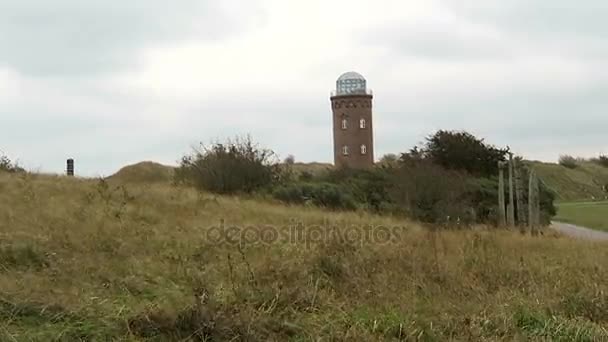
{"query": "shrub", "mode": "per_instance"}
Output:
(326, 195)
(6, 165)
(369, 187)
(306, 176)
(427, 192)
(568, 161)
(603, 160)
(237, 166)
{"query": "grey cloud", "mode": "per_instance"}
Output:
(536, 122)
(82, 37)
(539, 17)
(438, 43)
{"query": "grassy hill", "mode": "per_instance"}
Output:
(581, 183)
(113, 260)
(144, 172)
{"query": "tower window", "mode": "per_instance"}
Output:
(344, 124)
(362, 123)
(345, 150)
(363, 149)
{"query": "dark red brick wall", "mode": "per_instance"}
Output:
(353, 108)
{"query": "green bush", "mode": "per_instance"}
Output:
(603, 160)
(568, 161)
(325, 195)
(428, 192)
(236, 166)
(368, 187)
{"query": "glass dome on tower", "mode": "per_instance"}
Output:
(351, 83)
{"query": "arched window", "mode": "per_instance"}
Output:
(362, 123)
(344, 124)
(363, 149)
(345, 150)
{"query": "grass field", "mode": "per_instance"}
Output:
(588, 214)
(88, 260)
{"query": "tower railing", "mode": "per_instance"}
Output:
(355, 92)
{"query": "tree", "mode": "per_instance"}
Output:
(462, 151)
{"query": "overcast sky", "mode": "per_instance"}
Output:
(115, 82)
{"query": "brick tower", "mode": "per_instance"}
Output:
(351, 104)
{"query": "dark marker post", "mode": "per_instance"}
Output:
(70, 169)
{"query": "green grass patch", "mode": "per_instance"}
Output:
(537, 325)
(587, 214)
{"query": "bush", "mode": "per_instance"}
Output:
(325, 195)
(603, 160)
(306, 176)
(461, 151)
(238, 166)
(427, 192)
(6, 165)
(368, 187)
(568, 161)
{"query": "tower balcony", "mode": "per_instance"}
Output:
(368, 92)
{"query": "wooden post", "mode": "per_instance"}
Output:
(502, 220)
(511, 206)
(534, 203)
(519, 196)
(531, 201)
(70, 167)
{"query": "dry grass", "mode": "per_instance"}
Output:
(90, 260)
(144, 172)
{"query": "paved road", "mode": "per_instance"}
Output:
(579, 232)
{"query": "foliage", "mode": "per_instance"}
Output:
(305, 176)
(461, 151)
(369, 187)
(568, 161)
(327, 195)
(236, 166)
(603, 160)
(6, 165)
(427, 192)
(388, 160)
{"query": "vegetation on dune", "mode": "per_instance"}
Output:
(451, 179)
(236, 166)
(145, 172)
(108, 260)
(589, 180)
(568, 161)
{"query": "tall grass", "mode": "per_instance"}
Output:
(95, 260)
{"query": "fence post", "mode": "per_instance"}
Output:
(519, 196)
(502, 220)
(511, 206)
